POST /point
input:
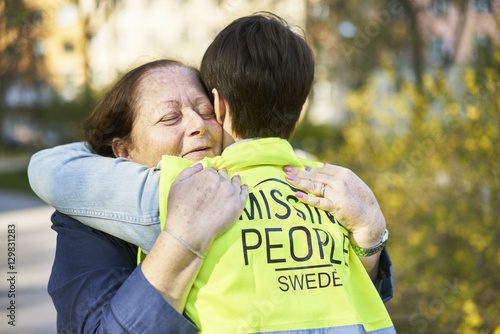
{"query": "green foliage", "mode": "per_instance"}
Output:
(16, 181)
(320, 138)
(431, 157)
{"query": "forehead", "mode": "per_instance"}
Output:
(163, 86)
(168, 79)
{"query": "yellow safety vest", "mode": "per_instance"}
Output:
(284, 266)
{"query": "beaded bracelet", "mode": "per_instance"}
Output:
(201, 256)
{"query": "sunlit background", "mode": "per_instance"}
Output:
(407, 95)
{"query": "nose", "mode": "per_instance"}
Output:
(195, 125)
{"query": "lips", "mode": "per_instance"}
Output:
(198, 153)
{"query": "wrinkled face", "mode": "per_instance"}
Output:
(173, 117)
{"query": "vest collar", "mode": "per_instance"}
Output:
(259, 152)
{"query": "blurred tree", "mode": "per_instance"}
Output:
(21, 65)
(462, 6)
(426, 143)
(439, 189)
(344, 32)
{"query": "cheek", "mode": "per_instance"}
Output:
(167, 141)
(161, 141)
(215, 130)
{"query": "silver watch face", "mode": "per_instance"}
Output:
(385, 236)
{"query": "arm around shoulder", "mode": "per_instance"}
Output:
(80, 184)
(45, 167)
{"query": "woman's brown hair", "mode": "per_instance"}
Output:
(114, 116)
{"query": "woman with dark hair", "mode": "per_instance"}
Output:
(158, 108)
(142, 111)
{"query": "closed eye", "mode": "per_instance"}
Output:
(171, 118)
(205, 111)
(207, 116)
(170, 121)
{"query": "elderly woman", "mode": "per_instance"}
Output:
(158, 108)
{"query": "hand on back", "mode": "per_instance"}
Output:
(345, 196)
(203, 203)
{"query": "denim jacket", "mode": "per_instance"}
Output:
(100, 192)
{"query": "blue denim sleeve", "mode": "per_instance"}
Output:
(115, 196)
(96, 287)
(385, 277)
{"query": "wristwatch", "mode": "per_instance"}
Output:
(370, 251)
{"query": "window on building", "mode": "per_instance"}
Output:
(68, 47)
(67, 15)
(439, 54)
(10, 20)
(483, 6)
(37, 17)
(438, 7)
(12, 51)
(38, 49)
(69, 90)
(483, 51)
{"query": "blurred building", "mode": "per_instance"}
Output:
(63, 45)
(42, 48)
(126, 33)
(45, 39)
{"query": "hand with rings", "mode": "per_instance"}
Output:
(322, 192)
(343, 194)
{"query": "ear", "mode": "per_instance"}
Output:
(219, 106)
(120, 148)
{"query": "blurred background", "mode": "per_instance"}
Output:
(407, 95)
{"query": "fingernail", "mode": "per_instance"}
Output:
(198, 165)
(290, 177)
(327, 164)
(245, 185)
(224, 170)
(299, 195)
(288, 169)
(237, 176)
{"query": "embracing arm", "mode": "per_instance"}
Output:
(202, 204)
(115, 196)
(95, 285)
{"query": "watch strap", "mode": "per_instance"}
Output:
(370, 251)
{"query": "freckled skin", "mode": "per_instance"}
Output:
(174, 117)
